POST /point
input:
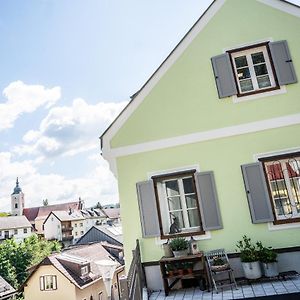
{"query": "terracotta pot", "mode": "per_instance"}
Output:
(180, 271)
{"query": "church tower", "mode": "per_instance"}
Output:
(17, 200)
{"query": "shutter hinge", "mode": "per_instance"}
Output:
(288, 61)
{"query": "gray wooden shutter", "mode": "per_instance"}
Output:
(148, 208)
(208, 201)
(283, 62)
(224, 75)
(257, 193)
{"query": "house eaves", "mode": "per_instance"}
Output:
(141, 94)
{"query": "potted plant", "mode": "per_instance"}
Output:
(268, 259)
(188, 267)
(218, 264)
(249, 258)
(179, 246)
(170, 269)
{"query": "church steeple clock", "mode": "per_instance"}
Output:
(17, 200)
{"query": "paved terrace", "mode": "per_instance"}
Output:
(245, 291)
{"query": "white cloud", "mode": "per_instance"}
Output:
(22, 98)
(66, 130)
(97, 185)
(69, 130)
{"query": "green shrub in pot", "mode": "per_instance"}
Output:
(249, 257)
(268, 258)
(179, 246)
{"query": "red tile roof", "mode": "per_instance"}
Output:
(32, 213)
(112, 213)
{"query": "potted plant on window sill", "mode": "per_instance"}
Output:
(249, 258)
(179, 246)
(268, 259)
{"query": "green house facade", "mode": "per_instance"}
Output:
(211, 142)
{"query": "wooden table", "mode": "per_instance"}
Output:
(196, 273)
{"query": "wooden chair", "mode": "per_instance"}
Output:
(219, 274)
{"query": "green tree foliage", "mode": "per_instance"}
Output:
(16, 258)
(4, 214)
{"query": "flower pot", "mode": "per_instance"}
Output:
(270, 269)
(190, 270)
(252, 269)
(181, 253)
(180, 271)
(219, 267)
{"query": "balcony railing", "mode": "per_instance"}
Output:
(67, 238)
(69, 228)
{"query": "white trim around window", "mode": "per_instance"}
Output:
(253, 70)
(48, 282)
(277, 154)
(281, 90)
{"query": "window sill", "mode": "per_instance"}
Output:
(197, 237)
(280, 91)
(286, 226)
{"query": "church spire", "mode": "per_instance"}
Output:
(17, 189)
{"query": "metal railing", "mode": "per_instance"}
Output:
(131, 286)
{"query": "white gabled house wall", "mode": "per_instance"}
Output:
(52, 228)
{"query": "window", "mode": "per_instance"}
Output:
(48, 283)
(15, 231)
(100, 296)
(76, 233)
(283, 178)
(75, 224)
(253, 70)
(25, 230)
(81, 232)
(81, 224)
(84, 270)
(178, 204)
(16, 205)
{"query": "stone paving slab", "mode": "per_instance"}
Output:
(264, 290)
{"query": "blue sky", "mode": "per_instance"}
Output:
(67, 68)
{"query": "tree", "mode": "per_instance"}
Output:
(16, 258)
(4, 214)
(45, 202)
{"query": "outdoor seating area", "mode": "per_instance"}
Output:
(260, 289)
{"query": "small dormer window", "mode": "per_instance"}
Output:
(84, 270)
